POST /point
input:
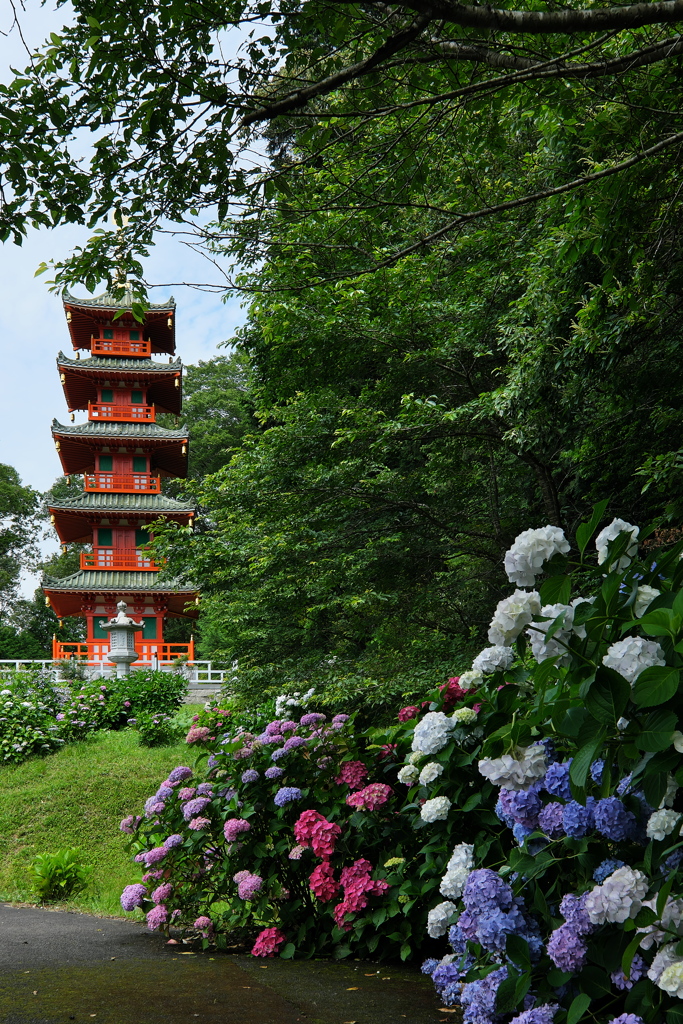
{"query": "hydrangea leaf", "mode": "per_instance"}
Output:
(607, 698)
(657, 731)
(578, 1008)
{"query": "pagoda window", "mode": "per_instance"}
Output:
(141, 537)
(136, 397)
(134, 335)
(104, 538)
(97, 632)
(107, 395)
(106, 463)
(107, 334)
(139, 463)
(149, 631)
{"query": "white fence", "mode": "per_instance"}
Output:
(197, 673)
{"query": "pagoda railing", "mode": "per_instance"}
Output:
(111, 558)
(95, 651)
(121, 413)
(123, 483)
(110, 347)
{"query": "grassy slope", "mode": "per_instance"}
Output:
(77, 797)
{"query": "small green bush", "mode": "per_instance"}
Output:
(57, 876)
(157, 730)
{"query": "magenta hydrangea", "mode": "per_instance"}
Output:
(234, 827)
(162, 892)
(157, 917)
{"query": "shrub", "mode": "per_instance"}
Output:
(157, 730)
(57, 876)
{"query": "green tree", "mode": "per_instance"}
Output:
(19, 507)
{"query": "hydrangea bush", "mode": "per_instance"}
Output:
(528, 814)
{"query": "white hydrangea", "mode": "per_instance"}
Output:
(670, 795)
(493, 659)
(435, 809)
(664, 959)
(556, 647)
(512, 614)
(632, 655)
(408, 775)
(669, 922)
(677, 740)
(416, 756)
(430, 772)
(457, 871)
(432, 732)
(518, 770)
(580, 631)
(619, 897)
(644, 597)
(662, 823)
(470, 680)
(438, 919)
(524, 561)
(610, 533)
(671, 980)
(464, 716)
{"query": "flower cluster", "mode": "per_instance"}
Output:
(314, 830)
(369, 798)
(610, 533)
(493, 659)
(632, 655)
(248, 884)
(352, 774)
(524, 560)
(518, 770)
(432, 733)
(357, 885)
(512, 615)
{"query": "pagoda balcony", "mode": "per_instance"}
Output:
(121, 413)
(123, 347)
(94, 652)
(123, 483)
(126, 559)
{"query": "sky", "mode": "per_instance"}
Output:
(32, 324)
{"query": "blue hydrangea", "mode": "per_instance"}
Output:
(596, 770)
(287, 795)
(174, 840)
(539, 1015)
(638, 970)
(613, 820)
(520, 832)
(550, 820)
(251, 775)
(671, 862)
(456, 939)
(556, 780)
(523, 806)
(503, 815)
(605, 869)
(578, 820)
(627, 1018)
(485, 890)
(478, 998)
(274, 772)
(430, 965)
(550, 751)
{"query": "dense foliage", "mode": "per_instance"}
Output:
(544, 809)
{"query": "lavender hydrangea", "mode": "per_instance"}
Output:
(132, 896)
(194, 807)
(638, 971)
(567, 947)
(538, 1015)
(251, 775)
(523, 806)
(273, 772)
(179, 774)
(551, 820)
(429, 966)
(478, 998)
(173, 840)
(287, 795)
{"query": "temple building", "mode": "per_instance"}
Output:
(123, 454)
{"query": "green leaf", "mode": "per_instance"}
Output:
(288, 951)
(586, 530)
(578, 1007)
(660, 622)
(658, 729)
(674, 1015)
(608, 696)
(644, 917)
(556, 590)
(631, 950)
(655, 685)
(517, 950)
(595, 982)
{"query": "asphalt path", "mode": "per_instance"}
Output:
(58, 967)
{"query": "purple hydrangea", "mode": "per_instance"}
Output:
(293, 742)
(478, 998)
(338, 721)
(277, 754)
(205, 789)
(162, 892)
(566, 946)
(247, 884)
(274, 772)
(289, 726)
(195, 807)
(550, 820)
(313, 719)
(163, 792)
(287, 795)
(273, 728)
(523, 806)
(638, 971)
(456, 939)
(429, 966)
(556, 781)
(130, 824)
(156, 917)
(503, 815)
(605, 869)
(251, 775)
(578, 820)
(539, 1015)
(132, 896)
(155, 855)
(485, 890)
(153, 806)
(446, 978)
(174, 840)
(613, 820)
(179, 774)
(627, 1018)
(213, 761)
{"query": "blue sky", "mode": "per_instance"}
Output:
(32, 324)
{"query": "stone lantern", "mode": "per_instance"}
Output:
(122, 632)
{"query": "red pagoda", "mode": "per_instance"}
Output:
(123, 454)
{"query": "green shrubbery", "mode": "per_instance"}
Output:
(57, 876)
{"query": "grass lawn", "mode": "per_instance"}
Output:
(77, 797)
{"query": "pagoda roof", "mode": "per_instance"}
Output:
(79, 442)
(86, 315)
(83, 376)
(74, 517)
(66, 593)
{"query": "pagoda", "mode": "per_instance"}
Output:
(123, 455)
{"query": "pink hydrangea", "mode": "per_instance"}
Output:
(197, 824)
(205, 926)
(323, 883)
(155, 855)
(157, 917)
(186, 793)
(247, 884)
(405, 714)
(296, 852)
(234, 827)
(198, 734)
(268, 942)
(370, 798)
(162, 892)
(314, 830)
(353, 774)
(153, 875)
(130, 823)
(358, 886)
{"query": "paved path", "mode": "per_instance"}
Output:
(59, 967)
